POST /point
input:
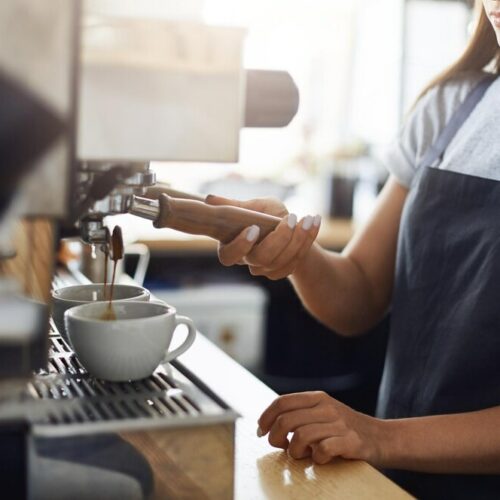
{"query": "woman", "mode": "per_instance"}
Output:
(431, 253)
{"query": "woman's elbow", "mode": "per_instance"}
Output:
(353, 326)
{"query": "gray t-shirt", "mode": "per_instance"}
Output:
(475, 149)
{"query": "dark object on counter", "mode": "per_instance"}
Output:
(342, 196)
(14, 443)
(24, 336)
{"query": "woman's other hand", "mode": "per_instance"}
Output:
(278, 254)
(322, 428)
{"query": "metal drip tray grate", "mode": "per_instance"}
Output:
(67, 400)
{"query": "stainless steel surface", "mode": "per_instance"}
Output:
(94, 232)
(144, 207)
(69, 401)
(104, 188)
(114, 203)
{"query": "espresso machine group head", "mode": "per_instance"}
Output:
(105, 189)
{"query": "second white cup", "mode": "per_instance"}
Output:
(72, 296)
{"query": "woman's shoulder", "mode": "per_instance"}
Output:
(436, 107)
(445, 97)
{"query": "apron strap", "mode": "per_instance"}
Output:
(436, 151)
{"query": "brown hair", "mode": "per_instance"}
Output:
(481, 51)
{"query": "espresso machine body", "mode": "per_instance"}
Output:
(38, 60)
(90, 100)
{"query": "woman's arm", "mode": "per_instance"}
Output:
(463, 443)
(348, 292)
(323, 428)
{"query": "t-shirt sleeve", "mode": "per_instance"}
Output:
(423, 126)
(420, 129)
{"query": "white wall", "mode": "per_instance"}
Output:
(436, 34)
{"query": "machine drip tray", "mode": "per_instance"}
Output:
(65, 400)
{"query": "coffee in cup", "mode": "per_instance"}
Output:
(130, 347)
(71, 296)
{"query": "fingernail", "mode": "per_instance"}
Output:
(317, 220)
(259, 432)
(308, 221)
(291, 220)
(209, 197)
(253, 233)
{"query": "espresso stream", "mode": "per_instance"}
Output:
(109, 314)
(116, 254)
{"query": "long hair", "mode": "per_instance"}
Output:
(482, 51)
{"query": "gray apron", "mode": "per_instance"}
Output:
(444, 347)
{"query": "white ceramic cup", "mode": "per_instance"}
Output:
(130, 347)
(72, 296)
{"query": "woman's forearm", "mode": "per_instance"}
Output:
(465, 443)
(350, 292)
(350, 308)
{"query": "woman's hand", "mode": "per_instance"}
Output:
(322, 427)
(277, 255)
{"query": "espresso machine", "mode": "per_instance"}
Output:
(88, 100)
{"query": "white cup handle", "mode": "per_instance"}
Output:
(182, 320)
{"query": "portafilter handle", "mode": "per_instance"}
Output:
(221, 222)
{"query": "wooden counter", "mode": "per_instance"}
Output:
(334, 234)
(262, 472)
